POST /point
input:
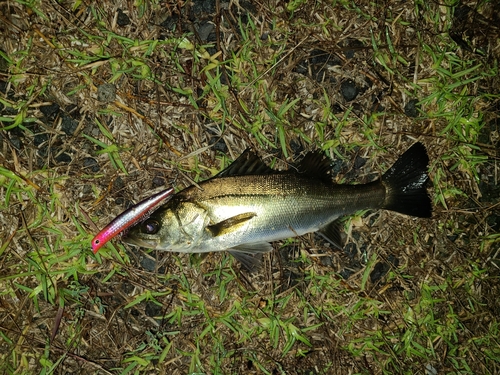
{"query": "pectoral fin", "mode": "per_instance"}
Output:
(332, 232)
(231, 224)
(250, 254)
(251, 262)
(254, 248)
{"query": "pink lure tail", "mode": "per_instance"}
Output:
(129, 217)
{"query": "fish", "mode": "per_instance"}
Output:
(129, 217)
(248, 205)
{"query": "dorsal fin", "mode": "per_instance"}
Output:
(248, 163)
(315, 165)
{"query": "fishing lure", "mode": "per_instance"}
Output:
(129, 217)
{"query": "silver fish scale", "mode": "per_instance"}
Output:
(284, 206)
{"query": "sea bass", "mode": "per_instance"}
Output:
(248, 205)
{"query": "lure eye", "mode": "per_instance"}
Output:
(151, 226)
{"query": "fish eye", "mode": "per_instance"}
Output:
(151, 226)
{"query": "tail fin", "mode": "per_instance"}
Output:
(405, 183)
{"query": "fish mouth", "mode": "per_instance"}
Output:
(142, 242)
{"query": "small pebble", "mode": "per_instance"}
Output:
(319, 75)
(118, 184)
(301, 67)
(148, 264)
(494, 222)
(201, 8)
(43, 151)
(292, 278)
(41, 159)
(106, 93)
(50, 111)
(349, 53)
(153, 310)
(296, 146)
(359, 162)
(122, 18)
(411, 108)
(488, 131)
(87, 190)
(40, 138)
(63, 158)
(68, 125)
(3, 89)
(219, 144)
(318, 63)
(379, 271)
(393, 261)
(127, 288)
(170, 22)
(134, 312)
(349, 90)
(204, 30)
(336, 108)
(91, 164)
(158, 181)
(356, 44)
(337, 166)
(351, 250)
(16, 142)
(326, 261)
(345, 273)
(319, 56)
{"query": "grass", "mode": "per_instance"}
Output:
(185, 106)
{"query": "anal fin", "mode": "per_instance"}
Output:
(332, 232)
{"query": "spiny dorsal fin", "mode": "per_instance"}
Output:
(315, 165)
(248, 163)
